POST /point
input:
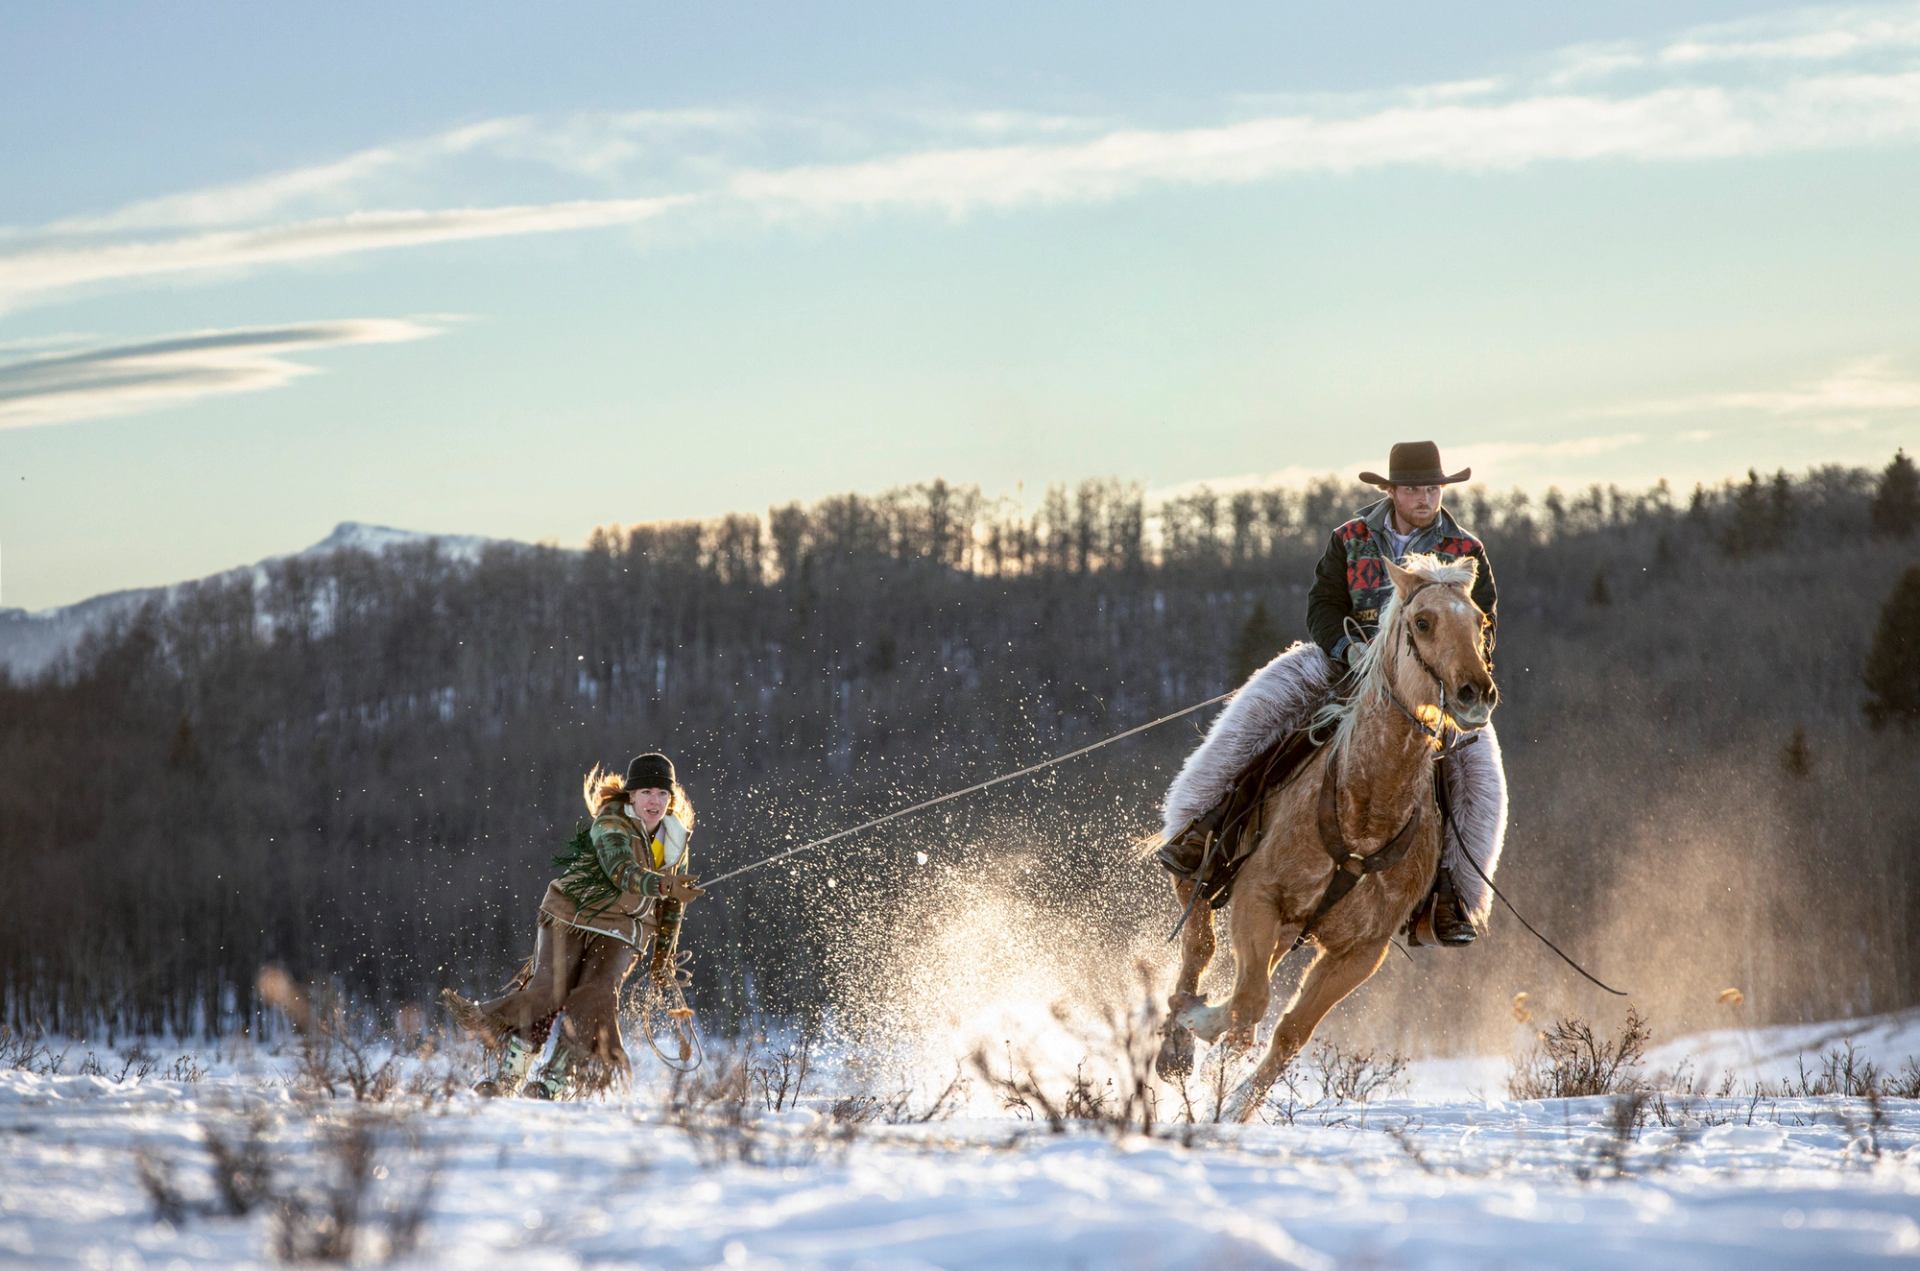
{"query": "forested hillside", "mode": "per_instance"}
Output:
(360, 769)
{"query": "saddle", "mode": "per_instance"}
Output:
(1212, 849)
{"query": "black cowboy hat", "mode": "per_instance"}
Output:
(1415, 463)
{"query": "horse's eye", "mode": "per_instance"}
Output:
(1422, 625)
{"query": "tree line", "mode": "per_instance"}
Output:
(359, 767)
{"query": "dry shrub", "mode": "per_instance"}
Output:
(343, 1216)
(336, 1057)
(242, 1167)
(1844, 1071)
(1325, 1078)
(353, 1208)
(897, 1108)
(711, 1106)
(24, 1052)
(1570, 1060)
(783, 1073)
(1125, 1102)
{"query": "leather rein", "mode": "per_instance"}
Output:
(1349, 866)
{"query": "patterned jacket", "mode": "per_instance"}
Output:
(1351, 580)
(618, 841)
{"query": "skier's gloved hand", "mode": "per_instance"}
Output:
(680, 888)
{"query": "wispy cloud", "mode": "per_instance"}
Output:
(1807, 36)
(1866, 384)
(30, 274)
(120, 379)
(1818, 80)
(593, 144)
(1510, 462)
(1664, 125)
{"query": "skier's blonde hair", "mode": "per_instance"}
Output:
(607, 785)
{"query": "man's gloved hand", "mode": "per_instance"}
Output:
(681, 888)
(1353, 652)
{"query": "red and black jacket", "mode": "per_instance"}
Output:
(1351, 580)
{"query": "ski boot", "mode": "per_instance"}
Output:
(554, 1080)
(510, 1065)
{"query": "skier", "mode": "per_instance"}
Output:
(624, 882)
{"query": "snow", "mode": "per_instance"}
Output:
(1435, 1177)
(31, 640)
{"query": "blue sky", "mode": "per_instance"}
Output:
(494, 270)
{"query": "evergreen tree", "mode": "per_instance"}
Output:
(1780, 508)
(1896, 504)
(1751, 528)
(1893, 665)
(1258, 641)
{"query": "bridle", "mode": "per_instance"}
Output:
(1436, 733)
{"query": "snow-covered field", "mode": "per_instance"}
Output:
(1447, 1173)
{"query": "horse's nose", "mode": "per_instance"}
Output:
(1471, 695)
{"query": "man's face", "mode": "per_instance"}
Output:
(1416, 505)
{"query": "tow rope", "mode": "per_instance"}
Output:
(972, 789)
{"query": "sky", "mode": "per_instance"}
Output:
(512, 271)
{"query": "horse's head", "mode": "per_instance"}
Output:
(1437, 639)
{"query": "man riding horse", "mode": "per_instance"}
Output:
(1263, 734)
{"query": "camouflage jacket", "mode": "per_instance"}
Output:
(619, 894)
(1351, 580)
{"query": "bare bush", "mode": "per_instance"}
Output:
(1124, 1102)
(23, 1052)
(783, 1073)
(242, 1167)
(1571, 1060)
(334, 1056)
(157, 1181)
(1842, 1070)
(711, 1107)
(897, 1108)
(343, 1216)
(1326, 1078)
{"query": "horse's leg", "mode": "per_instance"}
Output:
(1196, 952)
(1330, 978)
(1253, 924)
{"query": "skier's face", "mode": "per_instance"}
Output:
(650, 805)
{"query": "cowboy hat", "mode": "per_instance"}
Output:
(1415, 463)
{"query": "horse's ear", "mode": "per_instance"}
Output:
(1404, 580)
(1472, 564)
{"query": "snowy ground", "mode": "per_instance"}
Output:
(1439, 1176)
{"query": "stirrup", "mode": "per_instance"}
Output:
(1185, 854)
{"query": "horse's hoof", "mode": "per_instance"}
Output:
(1175, 1061)
(1241, 1104)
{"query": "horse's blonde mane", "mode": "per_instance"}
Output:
(1371, 672)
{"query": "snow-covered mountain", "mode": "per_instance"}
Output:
(31, 640)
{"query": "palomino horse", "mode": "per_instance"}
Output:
(1368, 790)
